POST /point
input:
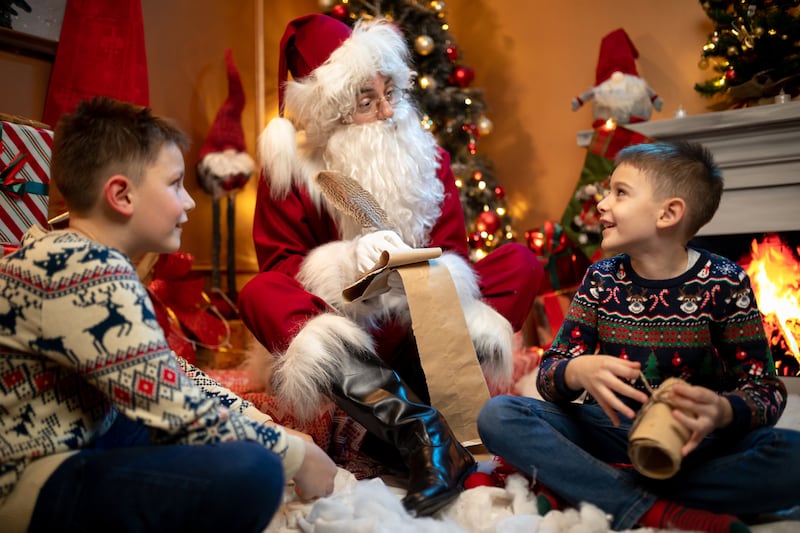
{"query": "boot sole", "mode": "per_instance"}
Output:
(430, 506)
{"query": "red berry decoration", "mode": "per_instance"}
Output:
(339, 11)
(475, 239)
(740, 354)
(676, 359)
(480, 479)
(488, 221)
(452, 53)
(462, 76)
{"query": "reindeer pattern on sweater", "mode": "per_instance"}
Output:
(79, 344)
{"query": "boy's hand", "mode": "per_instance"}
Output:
(699, 409)
(606, 378)
(316, 475)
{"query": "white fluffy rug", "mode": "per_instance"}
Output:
(371, 506)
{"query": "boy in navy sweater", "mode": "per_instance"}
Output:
(656, 310)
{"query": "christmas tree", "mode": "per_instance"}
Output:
(7, 11)
(754, 51)
(452, 110)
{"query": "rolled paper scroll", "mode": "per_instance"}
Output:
(656, 438)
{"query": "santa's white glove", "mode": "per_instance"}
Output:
(370, 246)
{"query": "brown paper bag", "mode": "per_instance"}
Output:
(656, 438)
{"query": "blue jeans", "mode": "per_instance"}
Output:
(571, 448)
(123, 483)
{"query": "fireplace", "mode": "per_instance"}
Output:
(758, 149)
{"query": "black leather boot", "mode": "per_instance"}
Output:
(373, 394)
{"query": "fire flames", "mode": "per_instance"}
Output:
(774, 271)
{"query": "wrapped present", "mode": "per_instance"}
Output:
(24, 179)
(183, 308)
(562, 259)
(549, 310)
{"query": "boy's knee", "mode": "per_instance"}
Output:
(491, 415)
(255, 474)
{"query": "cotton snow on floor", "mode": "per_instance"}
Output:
(371, 506)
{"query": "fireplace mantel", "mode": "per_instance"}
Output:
(758, 149)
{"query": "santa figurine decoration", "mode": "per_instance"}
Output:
(223, 168)
(619, 93)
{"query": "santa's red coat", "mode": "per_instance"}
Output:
(274, 305)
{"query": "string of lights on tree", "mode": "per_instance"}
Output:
(754, 51)
(452, 110)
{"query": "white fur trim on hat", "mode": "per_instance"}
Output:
(277, 150)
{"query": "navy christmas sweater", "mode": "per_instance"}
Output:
(703, 326)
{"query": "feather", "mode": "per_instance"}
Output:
(350, 198)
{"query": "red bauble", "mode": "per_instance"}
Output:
(730, 75)
(488, 221)
(339, 11)
(462, 76)
(499, 192)
(480, 479)
(452, 53)
(475, 239)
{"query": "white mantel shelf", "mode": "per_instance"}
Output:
(758, 150)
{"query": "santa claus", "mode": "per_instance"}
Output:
(347, 109)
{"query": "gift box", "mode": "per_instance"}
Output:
(549, 311)
(24, 180)
(563, 261)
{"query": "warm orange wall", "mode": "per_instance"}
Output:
(532, 57)
(529, 56)
(186, 40)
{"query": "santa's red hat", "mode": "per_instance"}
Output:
(307, 43)
(223, 163)
(329, 63)
(617, 54)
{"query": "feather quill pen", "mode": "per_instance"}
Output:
(350, 198)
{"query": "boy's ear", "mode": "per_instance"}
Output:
(117, 193)
(672, 212)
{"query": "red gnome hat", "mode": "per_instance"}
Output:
(224, 164)
(307, 43)
(617, 54)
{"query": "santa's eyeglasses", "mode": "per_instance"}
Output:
(369, 106)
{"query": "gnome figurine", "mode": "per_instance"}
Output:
(223, 168)
(223, 163)
(619, 93)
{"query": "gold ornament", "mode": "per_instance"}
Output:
(325, 5)
(423, 45)
(427, 83)
(485, 125)
(703, 63)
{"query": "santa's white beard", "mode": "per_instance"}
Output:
(396, 161)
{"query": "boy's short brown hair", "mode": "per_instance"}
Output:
(101, 138)
(680, 169)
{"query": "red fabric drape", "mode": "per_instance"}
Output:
(101, 52)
